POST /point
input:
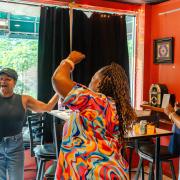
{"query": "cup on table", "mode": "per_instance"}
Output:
(61, 107)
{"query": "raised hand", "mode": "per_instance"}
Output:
(76, 57)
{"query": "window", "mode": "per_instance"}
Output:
(19, 46)
(130, 23)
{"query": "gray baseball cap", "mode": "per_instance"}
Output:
(10, 72)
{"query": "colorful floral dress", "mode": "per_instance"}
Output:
(90, 147)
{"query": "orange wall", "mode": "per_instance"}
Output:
(166, 25)
(160, 26)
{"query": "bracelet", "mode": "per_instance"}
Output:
(170, 115)
(71, 63)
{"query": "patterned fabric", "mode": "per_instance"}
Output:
(90, 147)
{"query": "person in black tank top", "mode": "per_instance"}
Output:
(12, 114)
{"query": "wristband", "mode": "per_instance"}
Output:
(170, 115)
(71, 63)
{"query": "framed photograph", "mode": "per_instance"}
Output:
(163, 50)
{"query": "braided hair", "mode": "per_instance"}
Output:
(114, 83)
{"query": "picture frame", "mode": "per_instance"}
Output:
(164, 50)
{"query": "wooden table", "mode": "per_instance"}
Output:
(63, 115)
(159, 132)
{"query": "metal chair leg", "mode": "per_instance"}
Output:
(160, 171)
(142, 171)
(139, 168)
(42, 170)
(151, 171)
(40, 165)
(172, 170)
(130, 160)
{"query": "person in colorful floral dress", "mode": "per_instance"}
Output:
(93, 137)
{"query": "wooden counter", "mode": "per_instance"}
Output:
(158, 110)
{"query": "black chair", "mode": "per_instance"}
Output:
(132, 145)
(25, 132)
(57, 131)
(26, 138)
(147, 152)
(42, 152)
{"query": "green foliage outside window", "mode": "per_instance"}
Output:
(21, 55)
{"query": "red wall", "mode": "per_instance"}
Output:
(160, 26)
(166, 25)
(100, 3)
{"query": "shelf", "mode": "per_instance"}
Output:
(157, 109)
(167, 122)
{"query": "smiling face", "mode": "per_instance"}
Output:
(7, 85)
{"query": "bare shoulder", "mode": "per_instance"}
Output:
(25, 99)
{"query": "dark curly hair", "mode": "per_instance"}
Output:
(115, 84)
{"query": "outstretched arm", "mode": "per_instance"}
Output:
(39, 106)
(61, 79)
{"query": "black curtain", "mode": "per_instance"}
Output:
(54, 45)
(103, 38)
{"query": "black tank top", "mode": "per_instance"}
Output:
(12, 115)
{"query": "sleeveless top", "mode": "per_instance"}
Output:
(12, 115)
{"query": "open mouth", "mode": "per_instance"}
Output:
(3, 86)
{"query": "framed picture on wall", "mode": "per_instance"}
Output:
(164, 50)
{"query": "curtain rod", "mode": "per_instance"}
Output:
(89, 8)
(73, 5)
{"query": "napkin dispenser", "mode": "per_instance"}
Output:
(156, 93)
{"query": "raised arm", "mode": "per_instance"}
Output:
(61, 79)
(39, 106)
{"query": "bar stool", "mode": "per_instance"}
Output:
(146, 152)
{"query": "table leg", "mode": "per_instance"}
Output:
(157, 159)
(55, 136)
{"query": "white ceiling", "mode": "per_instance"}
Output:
(20, 9)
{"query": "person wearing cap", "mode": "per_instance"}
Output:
(13, 108)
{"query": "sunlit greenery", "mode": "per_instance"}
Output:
(21, 55)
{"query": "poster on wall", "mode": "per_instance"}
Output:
(164, 50)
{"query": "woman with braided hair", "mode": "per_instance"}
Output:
(93, 137)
